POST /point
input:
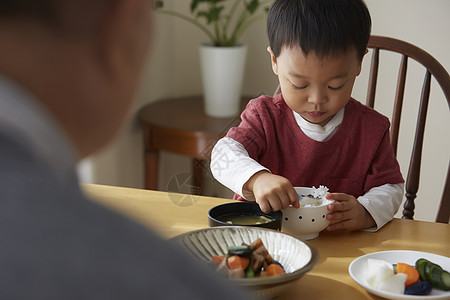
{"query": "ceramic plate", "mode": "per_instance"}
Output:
(356, 270)
(295, 256)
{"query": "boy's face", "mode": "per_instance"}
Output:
(316, 88)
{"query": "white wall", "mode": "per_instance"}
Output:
(173, 70)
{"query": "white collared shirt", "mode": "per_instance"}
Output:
(318, 132)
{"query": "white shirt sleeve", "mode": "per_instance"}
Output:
(382, 203)
(231, 165)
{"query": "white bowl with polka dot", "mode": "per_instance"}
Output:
(305, 222)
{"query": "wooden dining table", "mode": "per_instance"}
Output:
(170, 214)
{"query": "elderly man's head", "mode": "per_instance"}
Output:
(60, 15)
(80, 58)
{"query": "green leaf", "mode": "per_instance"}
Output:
(252, 6)
(215, 13)
(158, 4)
(217, 18)
(194, 5)
(212, 15)
(203, 14)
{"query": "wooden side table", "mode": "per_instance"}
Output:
(179, 125)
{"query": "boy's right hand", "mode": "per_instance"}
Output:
(271, 192)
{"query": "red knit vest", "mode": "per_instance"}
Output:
(356, 158)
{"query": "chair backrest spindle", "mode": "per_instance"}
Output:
(413, 177)
(398, 104)
(373, 78)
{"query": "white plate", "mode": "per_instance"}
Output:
(356, 270)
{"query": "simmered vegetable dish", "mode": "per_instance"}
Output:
(247, 261)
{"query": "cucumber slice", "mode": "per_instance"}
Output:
(445, 280)
(421, 269)
(420, 262)
(427, 271)
(435, 273)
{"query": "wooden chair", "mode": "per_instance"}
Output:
(433, 68)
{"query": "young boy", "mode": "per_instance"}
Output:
(314, 133)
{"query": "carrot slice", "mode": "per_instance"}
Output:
(410, 271)
(238, 262)
(217, 259)
(274, 269)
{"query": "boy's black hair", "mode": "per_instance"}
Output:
(325, 27)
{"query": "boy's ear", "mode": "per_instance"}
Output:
(361, 61)
(273, 60)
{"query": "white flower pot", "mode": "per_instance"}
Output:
(222, 73)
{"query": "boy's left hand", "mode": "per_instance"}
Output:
(347, 213)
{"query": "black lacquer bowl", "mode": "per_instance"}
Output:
(218, 214)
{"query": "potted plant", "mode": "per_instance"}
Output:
(222, 59)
